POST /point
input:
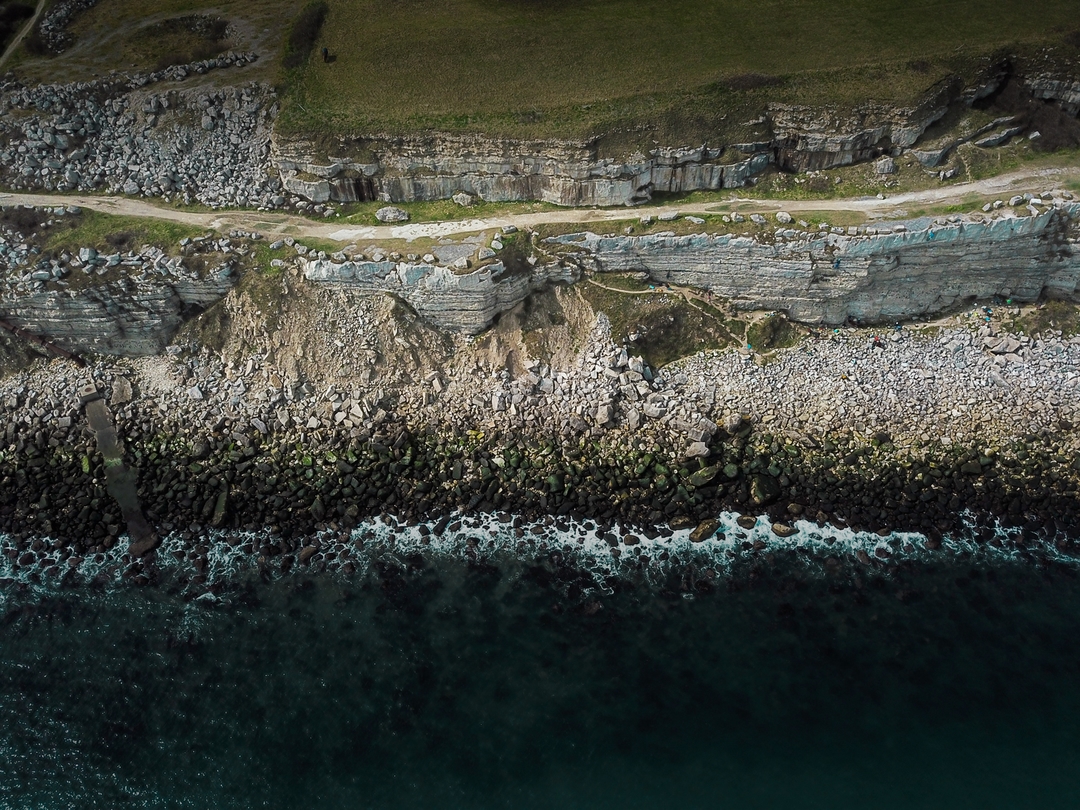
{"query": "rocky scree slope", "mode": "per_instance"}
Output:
(116, 135)
(905, 435)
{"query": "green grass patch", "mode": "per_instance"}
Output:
(314, 245)
(130, 35)
(774, 331)
(662, 328)
(637, 71)
(1052, 316)
(179, 40)
(107, 233)
(304, 33)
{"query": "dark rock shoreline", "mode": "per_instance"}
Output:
(961, 431)
(53, 499)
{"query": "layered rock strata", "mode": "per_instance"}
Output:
(813, 138)
(499, 170)
(123, 317)
(887, 273)
(464, 301)
(794, 137)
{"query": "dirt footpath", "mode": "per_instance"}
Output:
(277, 223)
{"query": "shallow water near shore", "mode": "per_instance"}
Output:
(459, 671)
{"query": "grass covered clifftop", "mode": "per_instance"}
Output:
(634, 73)
(672, 71)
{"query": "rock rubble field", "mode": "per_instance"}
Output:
(118, 135)
(905, 430)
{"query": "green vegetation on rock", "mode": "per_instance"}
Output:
(110, 233)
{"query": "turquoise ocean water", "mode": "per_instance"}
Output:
(466, 672)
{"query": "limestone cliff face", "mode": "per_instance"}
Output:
(794, 137)
(829, 277)
(562, 172)
(119, 318)
(570, 173)
(813, 138)
(460, 301)
(1065, 92)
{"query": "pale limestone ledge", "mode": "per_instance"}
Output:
(794, 137)
(125, 318)
(502, 170)
(825, 277)
(459, 301)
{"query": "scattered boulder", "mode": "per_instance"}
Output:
(704, 530)
(121, 391)
(764, 489)
(697, 450)
(885, 165)
(703, 476)
(391, 213)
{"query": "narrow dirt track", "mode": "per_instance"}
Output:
(19, 37)
(276, 223)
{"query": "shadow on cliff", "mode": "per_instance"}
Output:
(1057, 129)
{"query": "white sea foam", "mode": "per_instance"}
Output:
(495, 539)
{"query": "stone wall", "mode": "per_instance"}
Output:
(890, 273)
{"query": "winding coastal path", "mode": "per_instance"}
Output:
(287, 224)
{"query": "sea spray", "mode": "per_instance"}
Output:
(217, 560)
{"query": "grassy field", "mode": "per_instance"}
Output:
(638, 69)
(637, 72)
